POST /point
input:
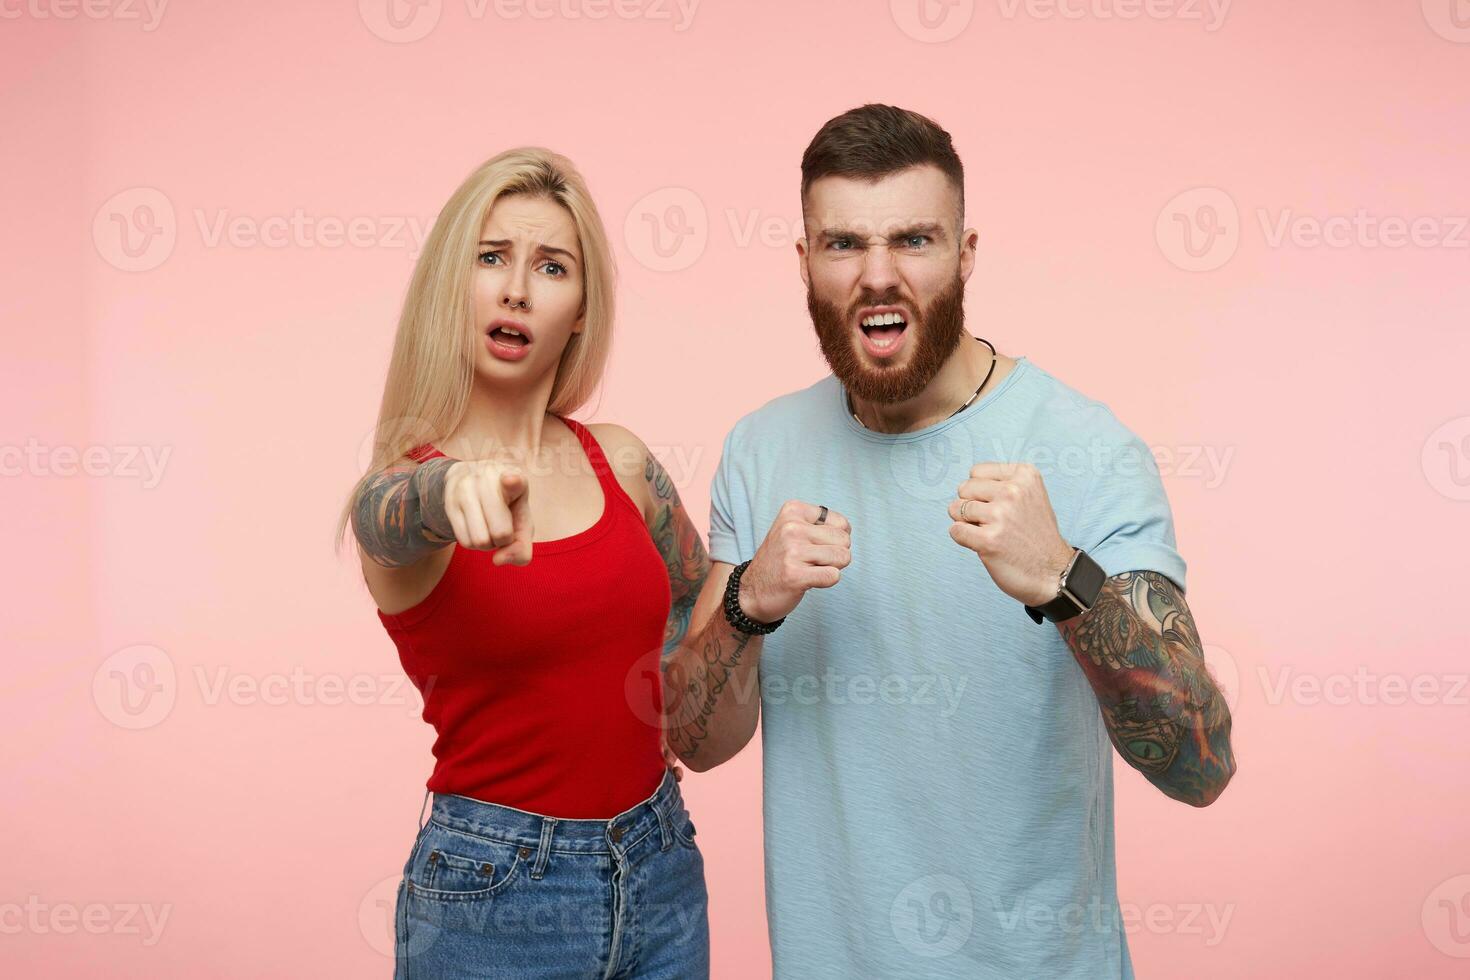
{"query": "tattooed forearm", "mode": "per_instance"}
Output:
(707, 680)
(399, 517)
(1141, 652)
(683, 552)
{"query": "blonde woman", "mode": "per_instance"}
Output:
(528, 582)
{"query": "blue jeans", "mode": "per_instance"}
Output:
(494, 892)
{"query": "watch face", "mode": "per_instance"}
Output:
(1085, 580)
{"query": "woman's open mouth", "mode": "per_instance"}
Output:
(508, 340)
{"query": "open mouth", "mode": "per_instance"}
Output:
(509, 337)
(884, 330)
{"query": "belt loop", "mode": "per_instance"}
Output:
(422, 809)
(665, 836)
(548, 825)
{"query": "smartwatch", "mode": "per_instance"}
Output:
(1077, 590)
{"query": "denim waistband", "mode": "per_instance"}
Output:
(551, 834)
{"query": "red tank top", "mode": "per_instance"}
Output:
(541, 680)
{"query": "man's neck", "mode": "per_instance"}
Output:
(947, 390)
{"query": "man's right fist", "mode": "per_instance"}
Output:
(797, 554)
(488, 504)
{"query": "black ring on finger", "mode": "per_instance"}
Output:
(822, 517)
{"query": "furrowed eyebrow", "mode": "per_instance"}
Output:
(543, 249)
(932, 229)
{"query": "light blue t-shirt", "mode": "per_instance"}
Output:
(938, 780)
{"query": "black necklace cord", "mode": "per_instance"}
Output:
(968, 401)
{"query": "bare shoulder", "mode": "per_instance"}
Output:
(628, 456)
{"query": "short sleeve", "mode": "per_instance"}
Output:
(726, 494)
(1126, 524)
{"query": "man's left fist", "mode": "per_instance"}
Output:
(1002, 513)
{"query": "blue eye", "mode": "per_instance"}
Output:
(490, 255)
(917, 241)
(842, 244)
(555, 269)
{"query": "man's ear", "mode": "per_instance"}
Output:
(969, 239)
(801, 259)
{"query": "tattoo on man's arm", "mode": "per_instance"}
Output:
(1141, 652)
(399, 516)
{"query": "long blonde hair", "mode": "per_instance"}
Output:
(432, 367)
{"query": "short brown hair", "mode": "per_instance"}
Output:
(873, 141)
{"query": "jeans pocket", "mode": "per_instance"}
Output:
(453, 866)
(683, 826)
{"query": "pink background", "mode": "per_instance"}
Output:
(1326, 544)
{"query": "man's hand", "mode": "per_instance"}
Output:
(798, 554)
(1003, 514)
(488, 505)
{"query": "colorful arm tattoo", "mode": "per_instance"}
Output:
(677, 540)
(1139, 649)
(399, 517)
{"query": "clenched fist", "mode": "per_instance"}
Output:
(1002, 513)
(797, 554)
(489, 506)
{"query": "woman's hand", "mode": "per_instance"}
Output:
(489, 506)
(671, 760)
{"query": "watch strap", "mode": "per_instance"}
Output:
(1077, 591)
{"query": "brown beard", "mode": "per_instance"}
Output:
(937, 330)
